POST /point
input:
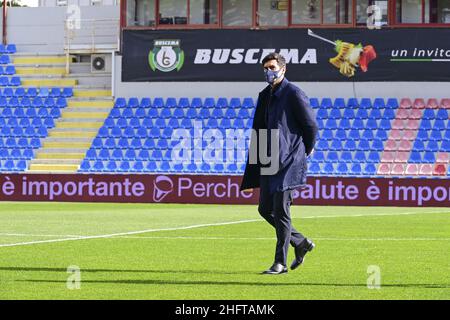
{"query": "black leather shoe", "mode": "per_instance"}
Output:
(276, 268)
(300, 252)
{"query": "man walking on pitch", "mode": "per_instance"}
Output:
(283, 109)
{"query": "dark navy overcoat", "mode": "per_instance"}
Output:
(288, 110)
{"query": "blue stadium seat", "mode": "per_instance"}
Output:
(377, 145)
(209, 102)
(346, 156)
(361, 114)
(372, 124)
(327, 134)
(342, 168)
(358, 124)
(322, 113)
(328, 169)
(67, 92)
(428, 114)
(432, 146)
(85, 165)
(341, 134)
(111, 166)
(10, 70)
(335, 114)
(392, 103)
(326, 103)
(8, 92)
(378, 103)
(375, 114)
(43, 92)
(31, 92)
(4, 81)
(151, 166)
(133, 102)
(360, 157)
(4, 59)
(370, 169)
(385, 124)
(439, 124)
(381, 134)
(345, 124)
(120, 103)
(354, 134)
(332, 156)
(418, 145)
(425, 124)
(61, 102)
(368, 134)
(445, 147)
(374, 157)
(11, 48)
(145, 103)
(336, 145)
(314, 103)
(158, 102)
(314, 168)
(339, 103)
(349, 114)
(15, 81)
(55, 92)
(429, 157)
(196, 102)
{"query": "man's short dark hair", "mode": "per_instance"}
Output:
(275, 56)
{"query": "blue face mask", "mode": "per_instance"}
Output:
(271, 75)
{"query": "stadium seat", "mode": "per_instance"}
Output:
(426, 169)
(398, 169)
(384, 169)
(15, 81)
(443, 157)
(11, 49)
(412, 169)
(440, 169)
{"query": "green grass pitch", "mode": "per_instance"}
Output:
(157, 251)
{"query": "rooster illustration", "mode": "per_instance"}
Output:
(349, 56)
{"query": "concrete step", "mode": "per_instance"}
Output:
(36, 59)
(67, 140)
(56, 156)
(56, 161)
(91, 93)
(48, 82)
(61, 150)
(73, 130)
(91, 103)
(67, 114)
(68, 134)
(88, 109)
(49, 168)
(40, 71)
(79, 124)
(66, 145)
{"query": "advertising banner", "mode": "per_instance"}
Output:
(210, 189)
(311, 54)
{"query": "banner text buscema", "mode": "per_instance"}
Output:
(252, 56)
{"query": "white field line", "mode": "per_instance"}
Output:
(316, 238)
(122, 234)
(38, 235)
(125, 233)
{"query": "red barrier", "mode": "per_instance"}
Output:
(137, 188)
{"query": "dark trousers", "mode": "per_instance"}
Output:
(275, 208)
